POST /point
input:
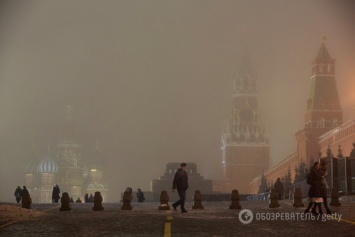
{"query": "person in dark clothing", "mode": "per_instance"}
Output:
(86, 198)
(24, 191)
(279, 187)
(140, 195)
(55, 194)
(91, 198)
(18, 193)
(78, 200)
(71, 200)
(181, 184)
(324, 172)
(129, 189)
(316, 191)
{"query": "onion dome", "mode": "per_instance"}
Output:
(47, 165)
(31, 166)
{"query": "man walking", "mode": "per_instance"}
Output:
(181, 184)
(55, 194)
(18, 194)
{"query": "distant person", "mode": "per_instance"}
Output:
(25, 195)
(91, 198)
(86, 198)
(25, 191)
(129, 189)
(316, 191)
(325, 187)
(71, 200)
(140, 195)
(18, 194)
(78, 200)
(181, 184)
(279, 188)
(55, 194)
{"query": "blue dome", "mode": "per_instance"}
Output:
(47, 165)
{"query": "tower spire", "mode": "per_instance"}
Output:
(323, 52)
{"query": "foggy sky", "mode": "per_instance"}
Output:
(153, 80)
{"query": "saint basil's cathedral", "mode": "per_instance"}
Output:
(75, 175)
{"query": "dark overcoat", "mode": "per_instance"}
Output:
(315, 180)
(180, 180)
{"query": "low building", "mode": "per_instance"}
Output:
(196, 182)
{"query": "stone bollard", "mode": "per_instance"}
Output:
(98, 202)
(274, 199)
(235, 200)
(127, 198)
(197, 200)
(26, 201)
(297, 198)
(65, 200)
(164, 201)
(334, 196)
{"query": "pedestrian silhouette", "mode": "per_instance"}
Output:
(18, 194)
(140, 195)
(55, 194)
(91, 198)
(181, 184)
(86, 198)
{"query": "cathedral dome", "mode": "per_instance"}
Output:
(31, 166)
(47, 165)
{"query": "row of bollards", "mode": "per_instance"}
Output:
(297, 198)
(164, 200)
(65, 200)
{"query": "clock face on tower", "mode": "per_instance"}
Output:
(246, 115)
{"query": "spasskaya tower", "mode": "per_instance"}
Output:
(245, 143)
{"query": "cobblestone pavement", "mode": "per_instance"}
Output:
(146, 220)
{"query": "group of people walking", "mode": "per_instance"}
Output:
(20, 192)
(77, 200)
(318, 190)
(140, 194)
(88, 199)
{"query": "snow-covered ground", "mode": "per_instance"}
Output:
(16, 213)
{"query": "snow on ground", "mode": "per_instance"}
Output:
(16, 213)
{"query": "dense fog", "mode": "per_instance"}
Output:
(152, 81)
